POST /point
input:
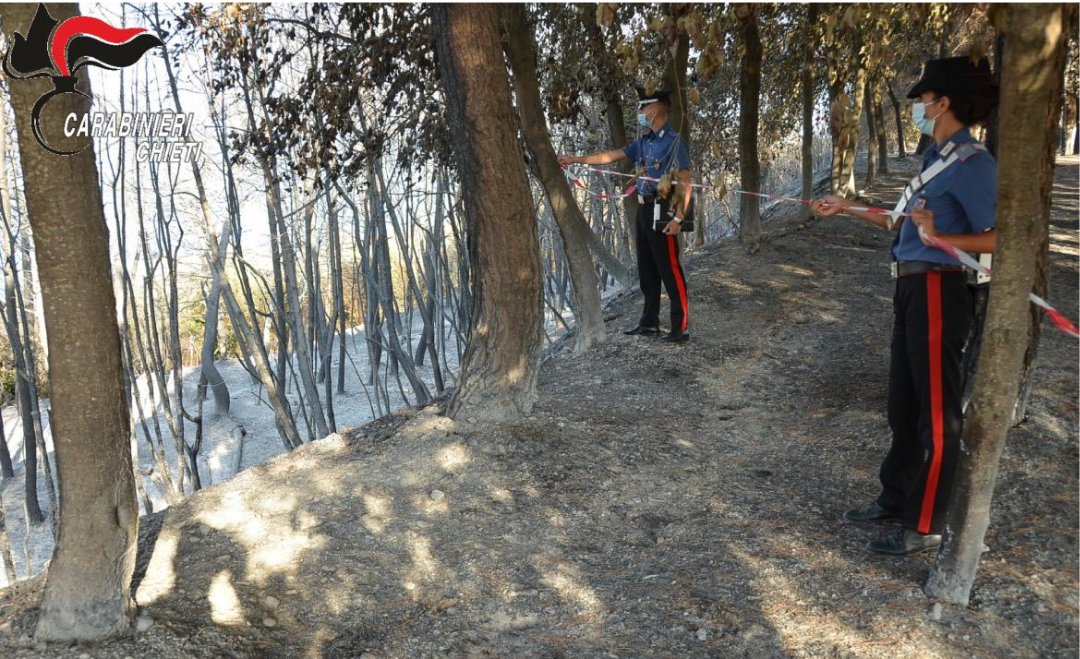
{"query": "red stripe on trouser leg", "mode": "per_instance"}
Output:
(933, 307)
(673, 253)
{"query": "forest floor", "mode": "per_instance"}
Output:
(661, 501)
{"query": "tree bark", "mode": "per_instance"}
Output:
(1031, 81)
(900, 150)
(87, 592)
(521, 51)
(749, 102)
(871, 135)
(612, 80)
(217, 248)
(501, 362)
(879, 123)
(808, 107)
(844, 151)
(675, 80)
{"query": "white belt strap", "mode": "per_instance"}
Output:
(924, 177)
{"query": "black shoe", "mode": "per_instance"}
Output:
(642, 330)
(676, 336)
(904, 542)
(872, 514)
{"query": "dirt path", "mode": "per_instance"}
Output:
(662, 501)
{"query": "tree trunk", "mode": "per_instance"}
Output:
(879, 123)
(612, 81)
(808, 107)
(871, 135)
(844, 152)
(900, 150)
(501, 362)
(991, 141)
(749, 102)
(1031, 82)
(87, 593)
(675, 80)
(6, 468)
(521, 51)
(217, 247)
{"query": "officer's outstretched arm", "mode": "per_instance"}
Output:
(598, 158)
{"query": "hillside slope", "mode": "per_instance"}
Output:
(661, 501)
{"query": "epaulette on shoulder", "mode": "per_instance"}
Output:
(965, 151)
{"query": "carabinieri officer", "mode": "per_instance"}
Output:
(659, 152)
(954, 199)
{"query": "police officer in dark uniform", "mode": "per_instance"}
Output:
(659, 152)
(954, 199)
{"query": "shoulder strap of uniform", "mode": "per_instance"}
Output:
(967, 150)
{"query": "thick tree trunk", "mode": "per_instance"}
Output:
(749, 102)
(501, 362)
(87, 594)
(1031, 81)
(521, 51)
(808, 107)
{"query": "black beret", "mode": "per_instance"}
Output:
(955, 74)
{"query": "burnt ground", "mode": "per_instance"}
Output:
(661, 501)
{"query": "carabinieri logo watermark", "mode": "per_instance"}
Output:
(58, 49)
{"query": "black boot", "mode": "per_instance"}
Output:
(872, 514)
(642, 330)
(904, 542)
(676, 336)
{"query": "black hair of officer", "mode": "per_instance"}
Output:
(971, 88)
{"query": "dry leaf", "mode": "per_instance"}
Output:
(849, 19)
(663, 188)
(720, 187)
(978, 51)
(695, 95)
(605, 14)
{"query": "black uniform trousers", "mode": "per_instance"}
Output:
(933, 315)
(659, 260)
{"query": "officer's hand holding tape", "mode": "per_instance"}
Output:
(673, 227)
(924, 219)
(829, 205)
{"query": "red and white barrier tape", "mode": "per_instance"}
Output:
(702, 186)
(1056, 317)
(600, 195)
(1060, 321)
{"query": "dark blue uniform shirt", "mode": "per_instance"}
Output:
(963, 197)
(656, 151)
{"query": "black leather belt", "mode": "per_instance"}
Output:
(907, 268)
(646, 199)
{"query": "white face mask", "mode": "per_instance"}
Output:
(922, 122)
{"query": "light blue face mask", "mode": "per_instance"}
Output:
(643, 120)
(918, 114)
